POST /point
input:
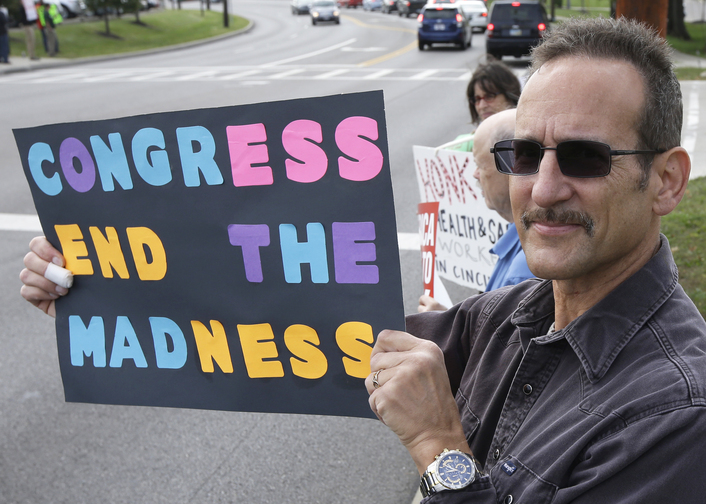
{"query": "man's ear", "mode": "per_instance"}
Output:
(673, 172)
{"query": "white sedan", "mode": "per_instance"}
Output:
(476, 12)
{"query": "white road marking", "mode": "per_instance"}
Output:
(423, 75)
(408, 241)
(288, 73)
(378, 74)
(309, 55)
(215, 74)
(238, 75)
(19, 222)
(332, 73)
(157, 75)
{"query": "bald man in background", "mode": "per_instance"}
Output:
(511, 267)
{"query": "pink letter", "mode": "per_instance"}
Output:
(352, 136)
(313, 163)
(247, 147)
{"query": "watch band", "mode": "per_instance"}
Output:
(431, 481)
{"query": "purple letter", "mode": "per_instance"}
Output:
(73, 148)
(348, 251)
(250, 238)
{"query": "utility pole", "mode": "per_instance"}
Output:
(654, 13)
(225, 13)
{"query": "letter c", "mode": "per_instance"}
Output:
(38, 153)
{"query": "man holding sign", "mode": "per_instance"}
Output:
(587, 387)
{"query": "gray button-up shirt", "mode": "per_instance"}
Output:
(611, 409)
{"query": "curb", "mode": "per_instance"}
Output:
(54, 63)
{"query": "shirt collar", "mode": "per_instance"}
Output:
(507, 242)
(598, 335)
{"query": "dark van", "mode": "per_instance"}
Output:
(514, 27)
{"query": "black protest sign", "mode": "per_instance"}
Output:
(239, 258)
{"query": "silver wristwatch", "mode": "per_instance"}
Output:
(451, 470)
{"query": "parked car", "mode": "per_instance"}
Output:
(389, 6)
(514, 27)
(69, 8)
(443, 23)
(350, 3)
(409, 7)
(300, 7)
(371, 5)
(476, 12)
(324, 10)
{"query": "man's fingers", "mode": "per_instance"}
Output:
(40, 298)
(31, 279)
(46, 251)
(395, 341)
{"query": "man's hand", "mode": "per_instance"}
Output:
(428, 303)
(414, 396)
(36, 289)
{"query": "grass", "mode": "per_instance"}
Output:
(685, 229)
(158, 29)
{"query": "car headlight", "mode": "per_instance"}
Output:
(315, 14)
(335, 13)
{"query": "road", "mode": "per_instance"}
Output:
(51, 451)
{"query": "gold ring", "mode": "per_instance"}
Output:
(376, 383)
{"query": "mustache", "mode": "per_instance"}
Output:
(559, 216)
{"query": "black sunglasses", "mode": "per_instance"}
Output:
(576, 158)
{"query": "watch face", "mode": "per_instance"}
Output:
(456, 470)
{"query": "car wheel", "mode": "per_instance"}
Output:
(338, 21)
(421, 45)
(313, 21)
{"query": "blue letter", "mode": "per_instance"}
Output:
(38, 153)
(312, 252)
(192, 161)
(124, 333)
(155, 170)
(87, 340)
(161, 328)
(112, 162)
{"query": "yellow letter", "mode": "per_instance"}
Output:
(258, 345)
(139, 237)
(351, 338)
(73, 247)
(308, 361)
(109, 252)
(212, 347)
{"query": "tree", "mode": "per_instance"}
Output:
(653, 13)
(675, 20)
(133, 6)
(104, 8)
